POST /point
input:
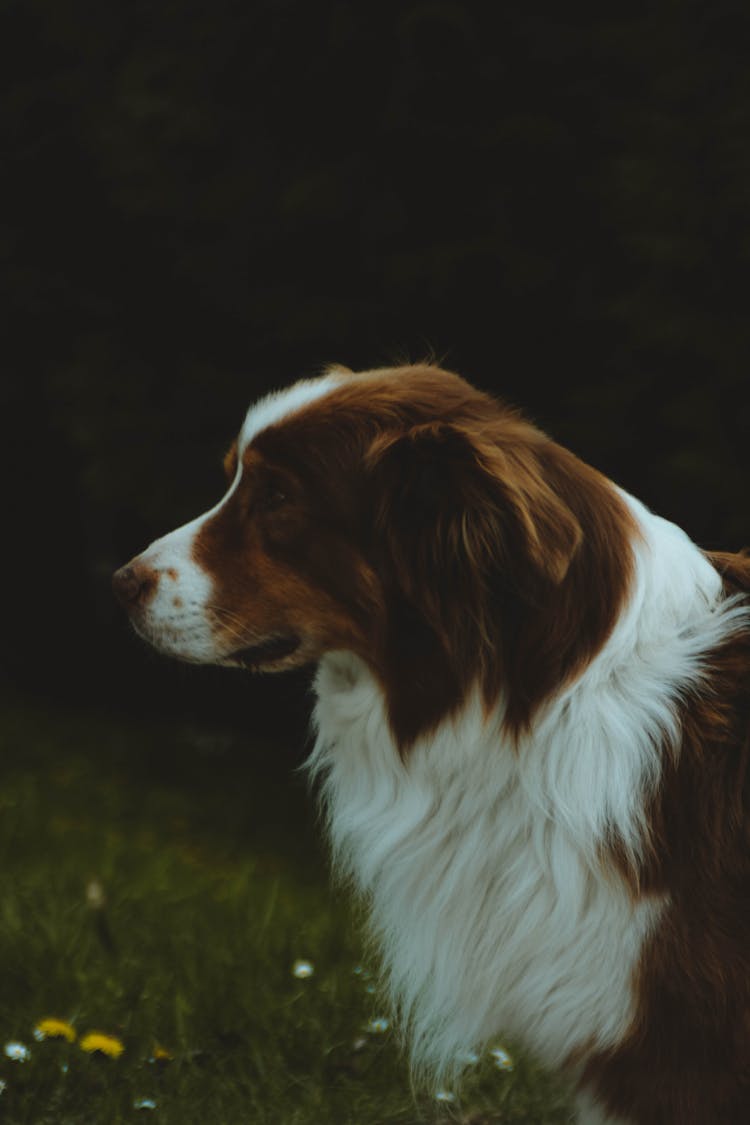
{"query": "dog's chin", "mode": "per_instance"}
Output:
(278, 653)
(170, 642)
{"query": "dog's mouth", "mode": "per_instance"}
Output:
(267, 652)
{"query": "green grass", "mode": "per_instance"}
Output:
(215, 884)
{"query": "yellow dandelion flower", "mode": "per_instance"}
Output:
(161, 1054)
(51, 1028)
(107, 1044)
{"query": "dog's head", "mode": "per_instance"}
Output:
(399, 514)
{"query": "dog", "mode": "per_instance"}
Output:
(532, 714)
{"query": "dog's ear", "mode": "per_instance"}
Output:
(451, 507)
(541, 528)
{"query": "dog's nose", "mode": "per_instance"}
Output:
(130, 583)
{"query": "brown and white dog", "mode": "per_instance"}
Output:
(533, 712)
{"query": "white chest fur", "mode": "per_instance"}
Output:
(490, 915)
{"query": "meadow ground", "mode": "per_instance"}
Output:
(161, 886)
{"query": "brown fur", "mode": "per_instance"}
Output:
(430, 529)
(686, 1060)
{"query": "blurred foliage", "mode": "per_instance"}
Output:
(204, 201)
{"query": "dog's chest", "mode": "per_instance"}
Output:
(489, 916)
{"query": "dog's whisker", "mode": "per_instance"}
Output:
(230, 623)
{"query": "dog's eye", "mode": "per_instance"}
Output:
(274, 497)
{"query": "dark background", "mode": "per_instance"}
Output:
(204, 201)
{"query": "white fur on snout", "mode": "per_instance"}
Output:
(177, 618)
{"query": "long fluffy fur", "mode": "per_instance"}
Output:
(482, 861)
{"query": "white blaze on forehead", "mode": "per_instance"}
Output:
(280, 404)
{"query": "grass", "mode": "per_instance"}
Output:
(159, 885)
